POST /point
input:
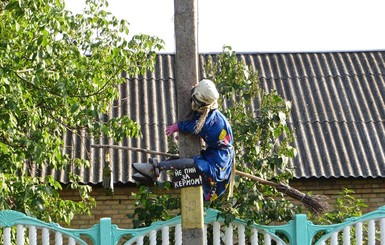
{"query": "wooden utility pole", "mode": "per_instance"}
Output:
(186, 75)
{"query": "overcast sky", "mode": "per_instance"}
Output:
(263, 25)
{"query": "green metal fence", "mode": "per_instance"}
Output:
(18, 228)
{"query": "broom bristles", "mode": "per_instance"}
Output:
(317, 204)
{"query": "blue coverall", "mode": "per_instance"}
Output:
(216, 160)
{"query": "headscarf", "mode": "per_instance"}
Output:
(204, 99)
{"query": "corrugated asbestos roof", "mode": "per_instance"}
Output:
(338, 113)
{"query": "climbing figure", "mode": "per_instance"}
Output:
(215, 161)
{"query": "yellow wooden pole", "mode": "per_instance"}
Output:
(192, 211)
(186, 75)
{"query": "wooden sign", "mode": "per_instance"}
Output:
(186, 177)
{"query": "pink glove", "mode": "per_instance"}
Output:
(172, 129)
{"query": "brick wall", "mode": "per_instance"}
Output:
(371, 191)
(115, 206)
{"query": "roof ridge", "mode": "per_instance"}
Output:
(327, 76)
(340, 122)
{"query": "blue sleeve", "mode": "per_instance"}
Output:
(188, 126)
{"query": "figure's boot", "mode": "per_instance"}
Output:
(146, 171)
(151, 170)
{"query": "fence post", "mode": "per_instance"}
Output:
(301, 231)
(105, 233)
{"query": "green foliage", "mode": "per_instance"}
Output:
(346, 206)
(151, 206)
(262, 142)
(59, 72)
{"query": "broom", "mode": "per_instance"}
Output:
(317, 204)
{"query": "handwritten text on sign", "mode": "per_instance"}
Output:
(186, 177)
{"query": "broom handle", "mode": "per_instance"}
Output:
(298, 195)
(260, 180)
(135, 149)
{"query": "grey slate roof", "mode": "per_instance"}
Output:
(338, 113)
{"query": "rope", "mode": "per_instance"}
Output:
(303, 196)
